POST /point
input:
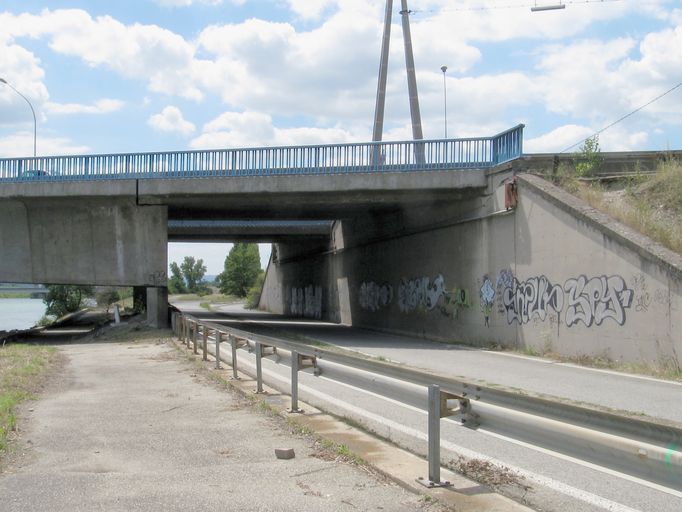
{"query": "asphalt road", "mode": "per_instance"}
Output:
(556, 482)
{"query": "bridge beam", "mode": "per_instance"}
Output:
(83, 241)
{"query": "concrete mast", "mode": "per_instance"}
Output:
(383, 71)
(411, 75)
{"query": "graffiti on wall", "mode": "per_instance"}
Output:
(425, 294)
(487, 296)
(306, 301)
(420, 293)
(374, 296)
(586, 301)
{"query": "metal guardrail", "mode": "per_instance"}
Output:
(423, 155)
(646, 450)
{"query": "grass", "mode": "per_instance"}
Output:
(214, 298)
(649, 205)
(22, 372)
(9, 295)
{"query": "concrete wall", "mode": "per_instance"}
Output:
(551, 275)
(83, 241)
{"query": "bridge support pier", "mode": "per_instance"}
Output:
(157, 307)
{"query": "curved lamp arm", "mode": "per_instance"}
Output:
(35, 123)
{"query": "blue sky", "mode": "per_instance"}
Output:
(152, 75)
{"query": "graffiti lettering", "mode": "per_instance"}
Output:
(532, 298)
(306, 302)
(590, 301)
(420, 293)
(375, 296)
(593, 301)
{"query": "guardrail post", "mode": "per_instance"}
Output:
(294, 383)
(435, 414)
(204, 349)
(218, 336)
(259, 368)
(194, 337)
(233, 345)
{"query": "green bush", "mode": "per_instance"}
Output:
(253, 295)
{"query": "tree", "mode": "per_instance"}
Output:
(242, 267)
(188, 277)
(588, 160)
(106, 297)
(63, 299)
(193, 272)
(176, 284)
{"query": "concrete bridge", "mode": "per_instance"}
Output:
(106, 219)
(423, 238)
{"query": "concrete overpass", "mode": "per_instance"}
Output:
(106, 219)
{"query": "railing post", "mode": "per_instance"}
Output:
(194, 338)
(294, 383)
(259, 368)
(435, 414)
(233, 345)
(434, 434)
(218, 335)
(204, 352)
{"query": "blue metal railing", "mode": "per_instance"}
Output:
(425, 155)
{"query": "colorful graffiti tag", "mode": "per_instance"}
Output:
(487, 295)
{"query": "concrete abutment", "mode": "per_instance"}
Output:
(551, 275)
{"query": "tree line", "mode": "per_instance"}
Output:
(240, 273)
(242, 276)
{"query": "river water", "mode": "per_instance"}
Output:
(20, 313)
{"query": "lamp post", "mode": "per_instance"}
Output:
(445, 100)
(35, 123)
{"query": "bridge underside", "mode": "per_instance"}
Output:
(116, 232)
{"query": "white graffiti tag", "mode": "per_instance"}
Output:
(534, 296)
(375, 296)
(593, 301)
(420, 292)
(306, 302)
(590, 301)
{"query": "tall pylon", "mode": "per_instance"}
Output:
(411, 75)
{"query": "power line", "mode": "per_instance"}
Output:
(624, 117)
(525, 5)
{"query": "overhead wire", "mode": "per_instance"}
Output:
(623, 118)
(524, 5)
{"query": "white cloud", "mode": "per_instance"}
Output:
(171, 120)
(187, 3)
(21, 145)
(310, 9)
(254, 129)
(103, 106)
(144, 52)
(570, 137)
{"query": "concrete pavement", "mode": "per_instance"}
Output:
(130, 427)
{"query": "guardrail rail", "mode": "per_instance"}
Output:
(646, 450)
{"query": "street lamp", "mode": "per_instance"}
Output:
(445, 100)
(35, 123)
(553, 7)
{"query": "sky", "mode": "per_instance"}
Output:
(156, 75)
